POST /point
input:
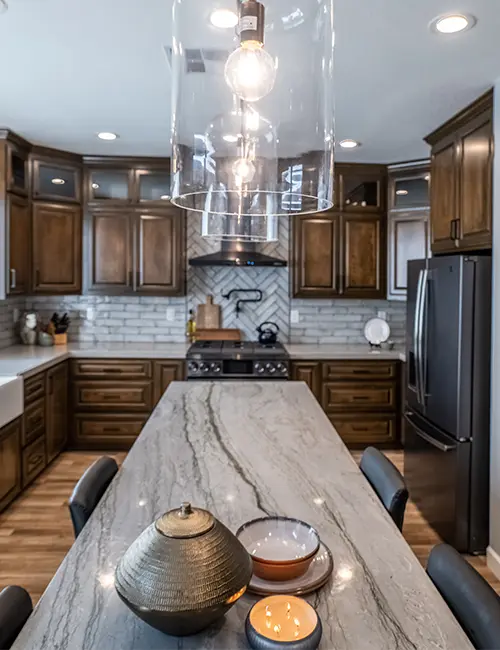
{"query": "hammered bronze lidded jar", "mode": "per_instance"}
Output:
(183, 572)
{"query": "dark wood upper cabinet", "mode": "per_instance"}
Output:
(111, 243)
(153, 186)
(136, 251)
(57, 248)
(109, 185)
(54, 180)
(363, 258)
(360, 187)
(160, 252)
(18, 224)
(17, 169)
(57, 410)
(315, 255)
(461, 180)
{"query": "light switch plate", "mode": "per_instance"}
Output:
(170, 314)
(295, 316)
(90, 313)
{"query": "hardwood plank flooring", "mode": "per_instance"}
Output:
(36, 531)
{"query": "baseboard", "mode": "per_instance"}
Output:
(493, 561)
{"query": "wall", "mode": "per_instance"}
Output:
(494, 548)
(7, 330)
(143, 319)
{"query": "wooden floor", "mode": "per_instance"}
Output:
(36, 531)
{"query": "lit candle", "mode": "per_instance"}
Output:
(276, 621)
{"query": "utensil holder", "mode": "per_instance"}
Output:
(61, 339)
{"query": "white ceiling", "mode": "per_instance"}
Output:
(72, 68)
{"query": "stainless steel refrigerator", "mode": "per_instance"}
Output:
(447, 411)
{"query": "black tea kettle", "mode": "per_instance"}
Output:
(267, 335)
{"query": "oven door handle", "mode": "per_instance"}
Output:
(428, 438)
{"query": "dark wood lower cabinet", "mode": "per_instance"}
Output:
(361, 398)
(10, 462)
(34, 460)
(107, 430)
(57, 410)
(166, 372)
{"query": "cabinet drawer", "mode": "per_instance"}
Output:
(34, 421)
(345, 396)
(105, 369)
(112, 395)
(34, 460)
(365, 429)
(335, 370)
(107, 431)
(34, 388)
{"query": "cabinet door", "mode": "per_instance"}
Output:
(164, 373)
(18, 236)
(476, 163)
(160, 256)
(10, 462)
(310, 373)
(57, 410)
(363, 257)
(153, 185)
(444, 207)
(362, 187)
(408, 240)
(110, 185)
(315, 256)
(111, 257)
(57, 244)
(55, 181)
(17, 170)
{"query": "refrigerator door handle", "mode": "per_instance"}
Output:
(416, 340)
(425, 436)
(422, 355)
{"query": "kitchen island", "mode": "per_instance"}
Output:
(244, 450)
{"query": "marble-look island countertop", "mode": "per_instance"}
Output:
(244, 450)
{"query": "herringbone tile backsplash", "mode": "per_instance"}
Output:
(143, 319)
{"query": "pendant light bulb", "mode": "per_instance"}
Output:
(243, 170)
(250, 70)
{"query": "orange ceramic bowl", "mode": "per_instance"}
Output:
(281, 548)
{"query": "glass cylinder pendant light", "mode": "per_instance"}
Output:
(252, 112)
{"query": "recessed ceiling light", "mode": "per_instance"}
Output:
(453, 23)
(401, 192)
(107, 135)
(223, 18)
(164, 197)
(349, 144)
(58, 181)
(230, 138)
(95, 186)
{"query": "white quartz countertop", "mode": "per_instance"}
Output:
(245, 450)
(27, 360)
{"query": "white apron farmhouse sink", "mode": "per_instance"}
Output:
(11, 399)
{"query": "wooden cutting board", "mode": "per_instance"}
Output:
(218, 335)
(208, 315)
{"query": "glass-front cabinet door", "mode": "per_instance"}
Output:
(55, 181)
(410, 192)
(360, 187)
(17, 170)
(153, 185)
(110, 185)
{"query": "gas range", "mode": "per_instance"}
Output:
(237, 360)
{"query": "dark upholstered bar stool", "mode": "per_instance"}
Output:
(387, 482)
(15, 609)
(89, 491)
(474, 603)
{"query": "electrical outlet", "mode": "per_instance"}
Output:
(295, 316)
(90, 315)
(15, 314)
(170, 314)
(382, 314)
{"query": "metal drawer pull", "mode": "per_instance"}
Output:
(111, 429)
(360, 398)
(112, 370)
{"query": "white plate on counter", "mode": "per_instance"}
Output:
(377, 331)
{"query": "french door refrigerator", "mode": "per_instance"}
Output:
(447, 412)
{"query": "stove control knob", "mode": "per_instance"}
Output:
(259, 368)
(193, 366)
(204, 367)
(281, 368)
(270, 368)
(215, 368)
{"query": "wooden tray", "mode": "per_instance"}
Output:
(218, 335)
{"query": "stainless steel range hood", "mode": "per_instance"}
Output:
(237, 253)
